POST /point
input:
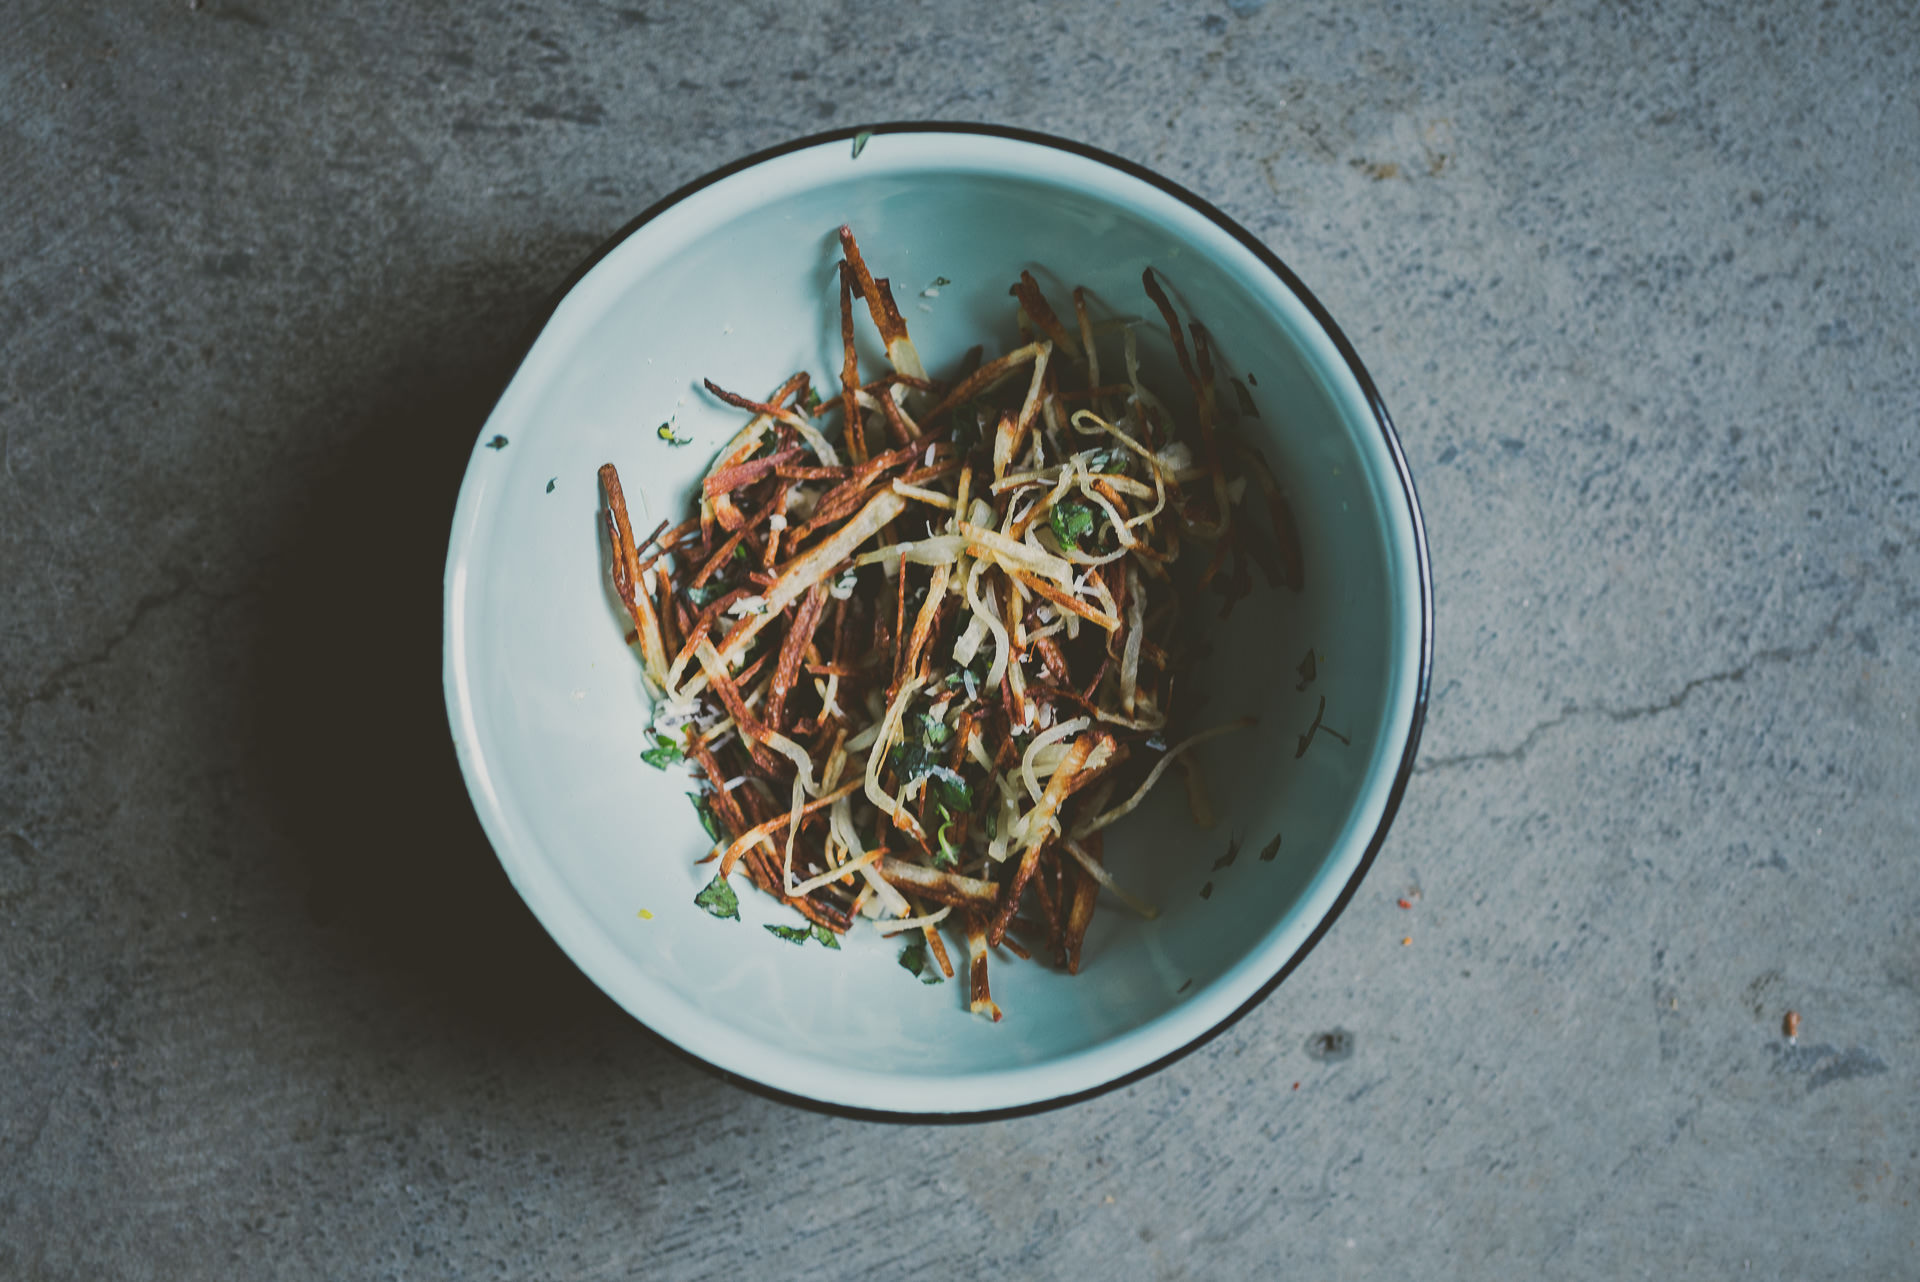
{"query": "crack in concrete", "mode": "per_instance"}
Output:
(62, 677)
(1574, 712)
(20, 835)
(65, 676)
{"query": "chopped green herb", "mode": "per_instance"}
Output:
(948, 854)
(739, 551)
(705, 811)
(1272, 848)
(914, 959)
(497, 443)
(1071, 522)
(813, 398)
(860, 141)
(792, 934)
(911, 760)
(1245, 398)
(1233, 852)
(1206, 891)
(706, 594)
(550, 481)
(923, 756)
(1306, 740)
(663, 754)
(718, 898)
(949, 789)
(940, 282)
(981, 665)
(915, 756)
(826, 937)
(666, 433)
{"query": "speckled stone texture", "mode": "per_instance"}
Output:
(1639, 283)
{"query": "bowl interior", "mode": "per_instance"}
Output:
(736, 283)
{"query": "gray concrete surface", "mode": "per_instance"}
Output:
(1639, 282)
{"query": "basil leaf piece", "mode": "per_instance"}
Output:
(948, 854)
(1242, 395)
(1071, 521)
(914, 959)
(705, 811)
(949, 790)
(663, 754)
(718, 898)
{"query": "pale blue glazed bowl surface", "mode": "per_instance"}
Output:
(733, 280)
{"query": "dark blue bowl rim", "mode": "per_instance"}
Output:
(1388, 434)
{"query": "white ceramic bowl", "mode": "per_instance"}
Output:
(732, 278)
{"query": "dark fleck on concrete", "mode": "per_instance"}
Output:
(1331, 1046)
(1824, 1064)
(1760, 988)
(590, 113)
(232, 265)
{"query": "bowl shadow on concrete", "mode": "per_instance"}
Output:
(400, 886)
